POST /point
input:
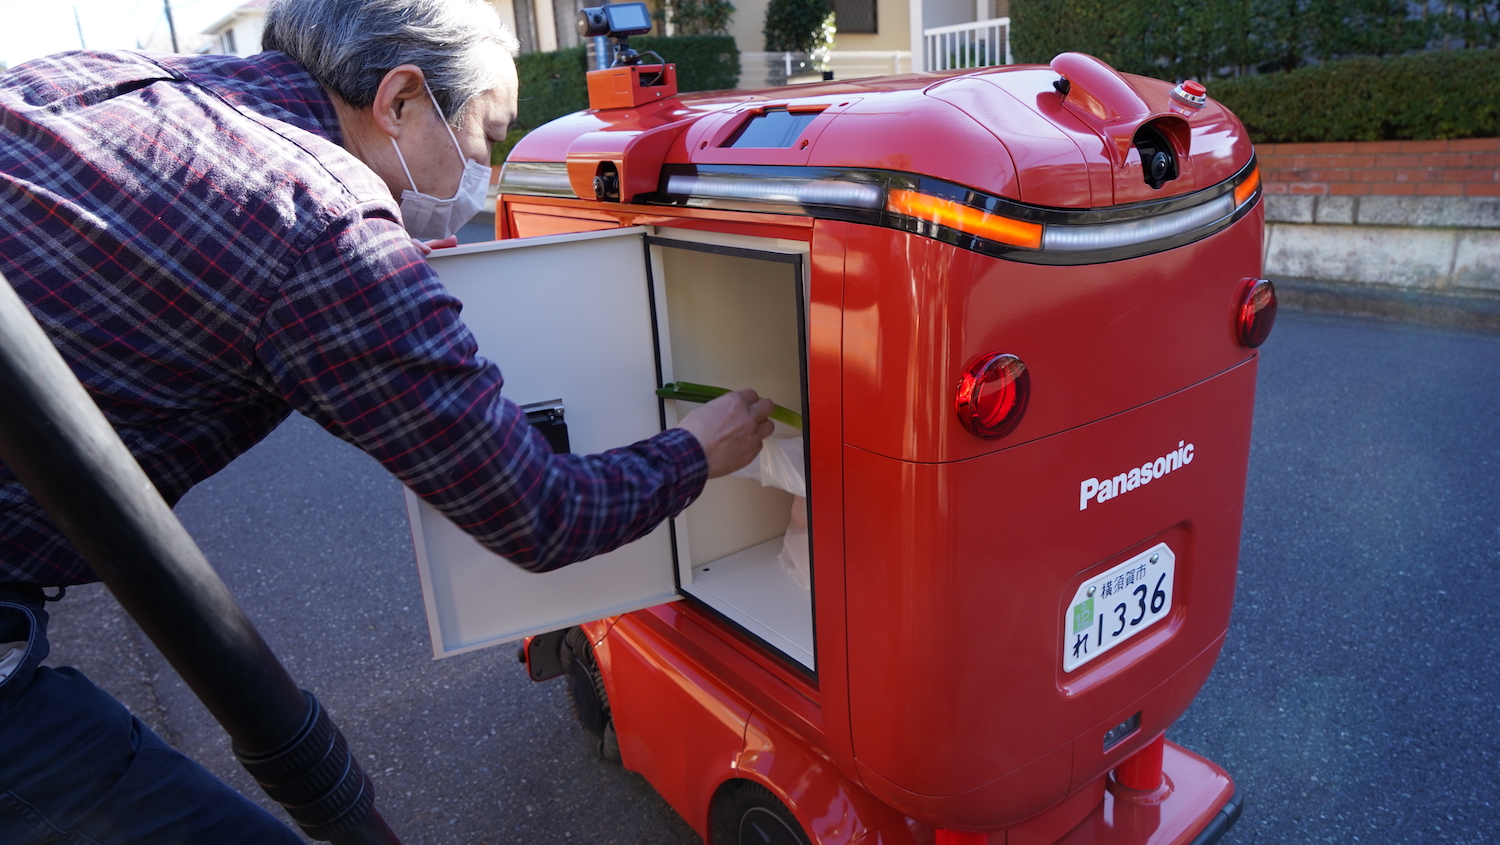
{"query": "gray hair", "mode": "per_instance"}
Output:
(349, 45)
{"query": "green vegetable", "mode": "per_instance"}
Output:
(701, 393)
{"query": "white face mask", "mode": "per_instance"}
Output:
(428, 218)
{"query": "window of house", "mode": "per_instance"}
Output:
(855, 15)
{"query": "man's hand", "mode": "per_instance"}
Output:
(730, 429)
(428, 246)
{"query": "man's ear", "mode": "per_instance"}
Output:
(401, 89)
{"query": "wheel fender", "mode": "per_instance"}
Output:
(597, 630)
(677, 724)
(597, 633)
(831, 808)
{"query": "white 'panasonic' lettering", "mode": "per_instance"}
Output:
(1103, 491)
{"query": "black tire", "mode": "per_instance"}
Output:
(752, 815)
(586, 692)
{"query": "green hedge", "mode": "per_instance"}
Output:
(1209, 38)
(704, 62)
(553, 84)
(795, 25)
(1426, 96)
(1113, 31)
(1310, 86)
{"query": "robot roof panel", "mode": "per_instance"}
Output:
(1007, 131)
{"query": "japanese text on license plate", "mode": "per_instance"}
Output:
(1114, 606)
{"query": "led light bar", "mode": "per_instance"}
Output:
(759, 189)
(1064, 238)
(966, 219)
(935, 208)
(536, 178)
(1247, 188)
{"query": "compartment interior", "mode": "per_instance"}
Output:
(733, 321)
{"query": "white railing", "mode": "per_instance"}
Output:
(854, 64)
(977, 44)
(763, 70)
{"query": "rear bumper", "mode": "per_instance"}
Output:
(1223, 821)
(1197, 804)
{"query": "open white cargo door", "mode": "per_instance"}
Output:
(566, 318)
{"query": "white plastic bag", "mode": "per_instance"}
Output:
(779, 465)
(794, 554)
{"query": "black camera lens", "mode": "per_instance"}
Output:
(1158, 162)
(592, 23)
(617, 20)
(607, 187)
(1161, 165)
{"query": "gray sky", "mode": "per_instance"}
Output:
(34, 28)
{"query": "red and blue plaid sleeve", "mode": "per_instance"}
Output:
(366, 341)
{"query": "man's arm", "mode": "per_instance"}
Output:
(365, 341)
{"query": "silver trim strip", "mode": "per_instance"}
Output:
(821, 192)
(1098, 236)
(544, 178)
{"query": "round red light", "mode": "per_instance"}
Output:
(992, 395)
(1257, 312)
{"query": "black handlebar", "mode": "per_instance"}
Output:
(58, 443)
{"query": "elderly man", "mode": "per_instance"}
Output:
(213, 242)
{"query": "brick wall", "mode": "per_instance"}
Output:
(1421, 217)
(1463, 168)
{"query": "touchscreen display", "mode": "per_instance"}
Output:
(776, 129)
(626, 17)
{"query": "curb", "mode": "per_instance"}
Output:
(1480, 313)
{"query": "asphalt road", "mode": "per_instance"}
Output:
(1357, 699)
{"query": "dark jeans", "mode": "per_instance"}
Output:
(77, 768)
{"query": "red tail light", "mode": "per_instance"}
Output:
(1257, 312)
(992, 395)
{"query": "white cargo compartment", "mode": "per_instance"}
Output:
(734, 318)
(598, 321)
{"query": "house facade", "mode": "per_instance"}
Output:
(237, 33)
(875, 37)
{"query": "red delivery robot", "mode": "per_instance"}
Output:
(1013, 314)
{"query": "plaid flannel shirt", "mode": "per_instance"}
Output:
(207, 257)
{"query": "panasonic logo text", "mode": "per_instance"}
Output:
(1092, 489)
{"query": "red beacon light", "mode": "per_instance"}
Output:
(992, 395)
(1191, 93)
(1256, 313)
